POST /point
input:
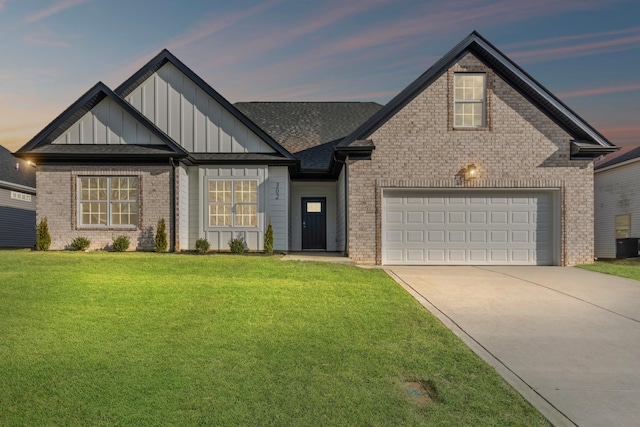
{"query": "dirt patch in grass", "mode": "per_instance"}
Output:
(420, 392)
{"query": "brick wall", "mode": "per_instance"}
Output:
(57, 200)
(519, 148)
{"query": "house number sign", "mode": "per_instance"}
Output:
(277, 190)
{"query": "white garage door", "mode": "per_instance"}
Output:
(468, 227)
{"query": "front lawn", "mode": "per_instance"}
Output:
(629, 268)
(145, 339)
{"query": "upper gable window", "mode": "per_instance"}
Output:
(469, 100)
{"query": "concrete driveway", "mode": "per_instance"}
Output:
(567, 339)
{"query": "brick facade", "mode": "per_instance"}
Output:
(57, 200)
(519, 148)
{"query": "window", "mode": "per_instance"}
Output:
(233, 203)
(469, 100)
(108, 201)
(623, 226)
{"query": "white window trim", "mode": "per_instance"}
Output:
(108, 225)
(233, 205)
(482, 101)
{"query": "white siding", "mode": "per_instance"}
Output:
(278, 206)
(313, 189)
(616, 193)
(219, 237)
(107, 123)
(183, 207)
(191, 117)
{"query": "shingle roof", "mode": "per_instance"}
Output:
(25, 175)
(628, 152)
(309, 130)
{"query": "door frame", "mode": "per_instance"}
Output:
(323, 231)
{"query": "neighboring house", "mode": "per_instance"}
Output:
(17, 202)
(473, 163)
(617, 200)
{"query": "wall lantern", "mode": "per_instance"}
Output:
(470, 172)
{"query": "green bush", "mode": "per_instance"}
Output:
(268, 239)
(121, 243)
(161, 236)
(43, 238)
(202, 245)
(237, 246)
(80, 243)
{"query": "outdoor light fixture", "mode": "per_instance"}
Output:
(470, 172)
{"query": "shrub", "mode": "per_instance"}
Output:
(161, 236)
(268, 239)
(43, 238)
(121, 243)
(237, 246)
(202, 245)
(80, 243)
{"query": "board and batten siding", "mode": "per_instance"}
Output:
(616, 193)
(183, 208)
(278, 206)
(219, 237)
(17, 219)
(185, 112)
(313, 189)
(107, 123)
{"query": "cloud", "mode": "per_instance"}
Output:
(587, 49)
(215, 24)
(54, 9)
(599, 91)
(622, 135)
(3, 3)
(47, 38)
(572, 37)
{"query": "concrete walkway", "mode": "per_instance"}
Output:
(567, 339)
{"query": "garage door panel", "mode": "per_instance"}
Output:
(415, 217)
(469, 227)
(457, 217)
(457, 236)
(436, 217)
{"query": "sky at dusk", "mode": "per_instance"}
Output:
(586, 52)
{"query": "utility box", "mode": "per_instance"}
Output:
(628, 247)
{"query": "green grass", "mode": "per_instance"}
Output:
(629, 268)
(123, 339)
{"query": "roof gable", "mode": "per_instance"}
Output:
(588, 140)
(99, 117)
(190, 111)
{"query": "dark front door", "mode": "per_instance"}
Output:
(314, 223)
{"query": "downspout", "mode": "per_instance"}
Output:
(172, 206)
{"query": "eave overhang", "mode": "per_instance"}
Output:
(584, 150)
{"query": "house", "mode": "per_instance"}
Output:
(17, 202)
(473, 163)
(617, 201)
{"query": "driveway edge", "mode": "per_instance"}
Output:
(550, 412)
